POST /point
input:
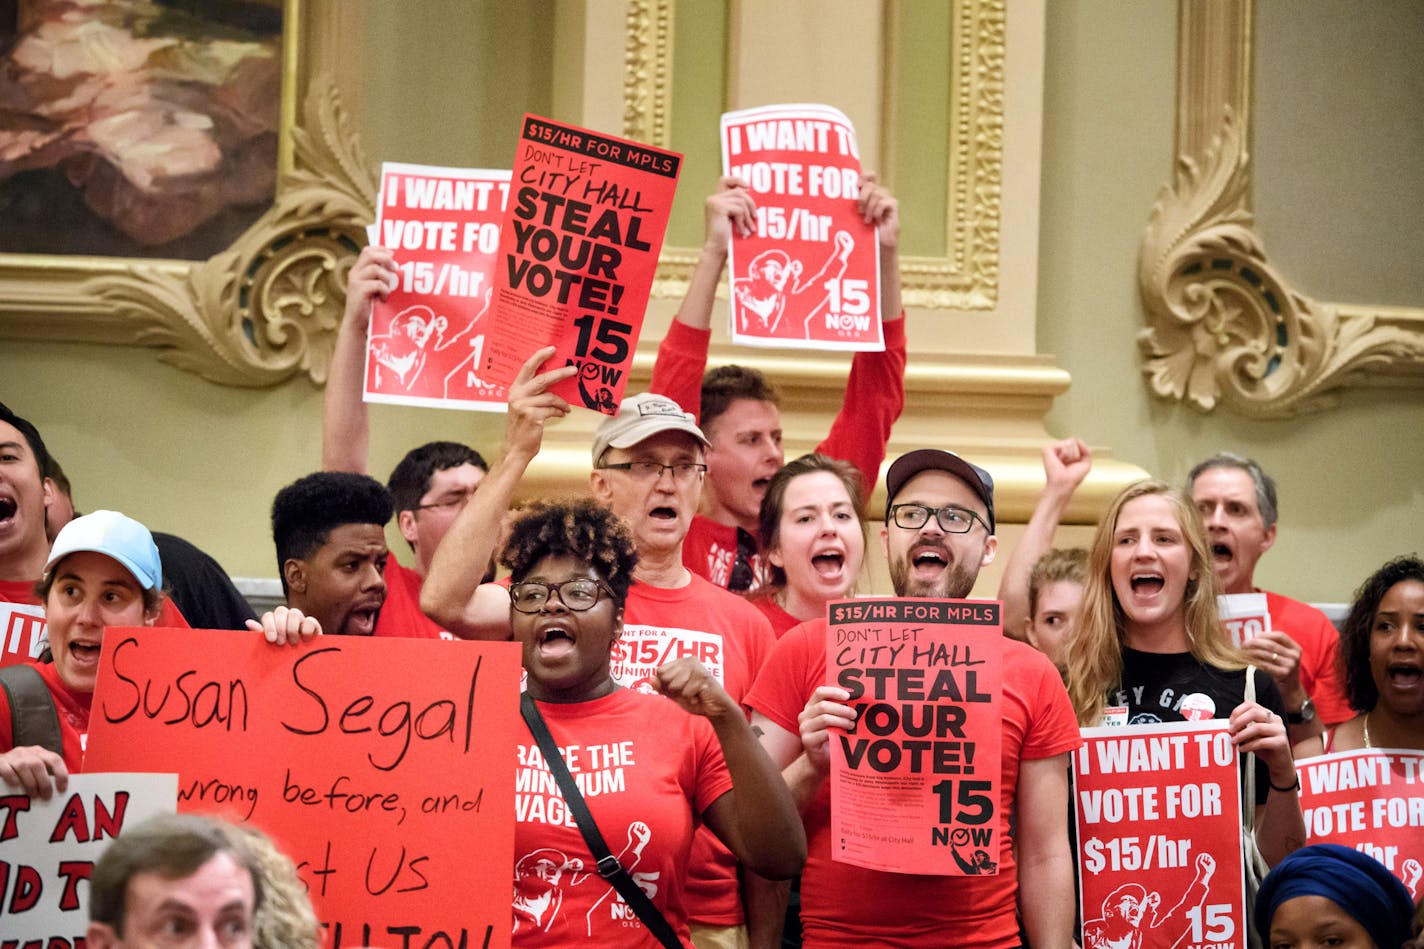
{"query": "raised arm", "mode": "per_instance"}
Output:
(1280, 828)
(452, 594)
(1045, 859)
(682, 354)
(345, 424)
(757, 819)
(1065, 464)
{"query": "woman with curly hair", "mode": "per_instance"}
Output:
(1148, 638)
(1382, 649)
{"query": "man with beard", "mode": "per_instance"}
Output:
(938, 533)
(1237, 503)
(329, 529)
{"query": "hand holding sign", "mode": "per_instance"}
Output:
(1279, 655)
(38, 772)
(826, 709)
(532, 405)
(1257, 730)
(286, 626)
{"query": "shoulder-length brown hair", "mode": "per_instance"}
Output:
(1094, 654)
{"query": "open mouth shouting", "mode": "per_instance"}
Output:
(928, 561)
(829, 564)
(553, 642)
(8, 507)
(1147, 584)
(361, 621)
(1404, 675)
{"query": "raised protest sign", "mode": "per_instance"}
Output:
(809, 275)
(22, 632)
(427, 338)
(384, 767)
(642, 648)
(578, 253)
(1159, 836)
(48, 849)
(1244, 615)
(915, 784)
(1371, 800)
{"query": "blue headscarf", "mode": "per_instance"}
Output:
(1359, 884)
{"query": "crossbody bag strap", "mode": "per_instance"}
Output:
(608, 866)
(34, 719)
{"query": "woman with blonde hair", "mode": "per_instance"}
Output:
(1148, 638)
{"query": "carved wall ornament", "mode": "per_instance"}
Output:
(1224, 325)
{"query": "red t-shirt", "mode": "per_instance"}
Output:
(874, 398)
(400, 615)
(648, 771)
(73, 709)
(780, 620)
(845, 905)
(1321, 673)
(733, 641)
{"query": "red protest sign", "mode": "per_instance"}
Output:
(1159, 836)
(1244, 615)
(809, 277)
(923, 757)
(384, 767)
(22, 632)
(1371, 800)
(578, 253)
(427, 338)
(48, 849)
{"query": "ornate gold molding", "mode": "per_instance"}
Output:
(253, 315)
(1224, 324)
(966, 277)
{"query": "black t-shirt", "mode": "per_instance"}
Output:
(1156, 686)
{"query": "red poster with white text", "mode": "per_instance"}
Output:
(22, 632)
(915, 784)
(383, 767)
(1160, 856)
(427, 337)
(1371, 800)
(578, 254)
(809, 276)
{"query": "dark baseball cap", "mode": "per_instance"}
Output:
(935, 459)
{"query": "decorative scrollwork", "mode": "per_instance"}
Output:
(1224, 324)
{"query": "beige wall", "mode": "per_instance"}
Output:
(204, 461)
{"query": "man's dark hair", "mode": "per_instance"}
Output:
(32, 436)
(1264, 484)
(726, 384)
(306, 511)
(411, 477)
(1360, 687)
(173, 846)
(579, 528)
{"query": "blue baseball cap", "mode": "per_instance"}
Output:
(113, 535)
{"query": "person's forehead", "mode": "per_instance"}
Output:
(363, 538)
(1059, 593)
(745, 415)
(557, 566)
(815, 488)
(14, 439)
(219, 882)
(1153, 510)
(90, 566)
(662, 446)
(935, 488)
(458, 478)
(1225, 482)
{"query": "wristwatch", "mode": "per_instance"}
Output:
(1305, 716)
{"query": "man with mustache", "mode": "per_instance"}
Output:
(1237, 503)
(938, 533)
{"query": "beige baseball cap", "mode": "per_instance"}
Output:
(640, 417)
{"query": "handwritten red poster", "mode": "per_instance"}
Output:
(427, 338)
(22, 632)
(1159, 836)
(48, 849)
(809, 277)
(383, 767)
(915, 784)
(578, 253)
(1371, 800)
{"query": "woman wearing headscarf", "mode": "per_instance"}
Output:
(1329, 895)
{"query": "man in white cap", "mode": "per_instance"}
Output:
(648, 469)
(938, 533)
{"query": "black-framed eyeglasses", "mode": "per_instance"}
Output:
(578, 594)
(952, 520)
(683, 471)
(452, 503)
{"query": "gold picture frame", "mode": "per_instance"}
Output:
(1225, 325)
(268, 306)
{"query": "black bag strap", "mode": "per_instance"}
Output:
(34, 720)
(608, 866)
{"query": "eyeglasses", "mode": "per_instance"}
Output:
(682, 472)
(743, 575)
(952, 520)
(577, 595)
(452, 503)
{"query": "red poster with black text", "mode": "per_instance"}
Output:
(427, 338)
(1372, 800)
(578, 254)
(915, 784)
(809, 275)
(1160, 861)
(383, 767)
